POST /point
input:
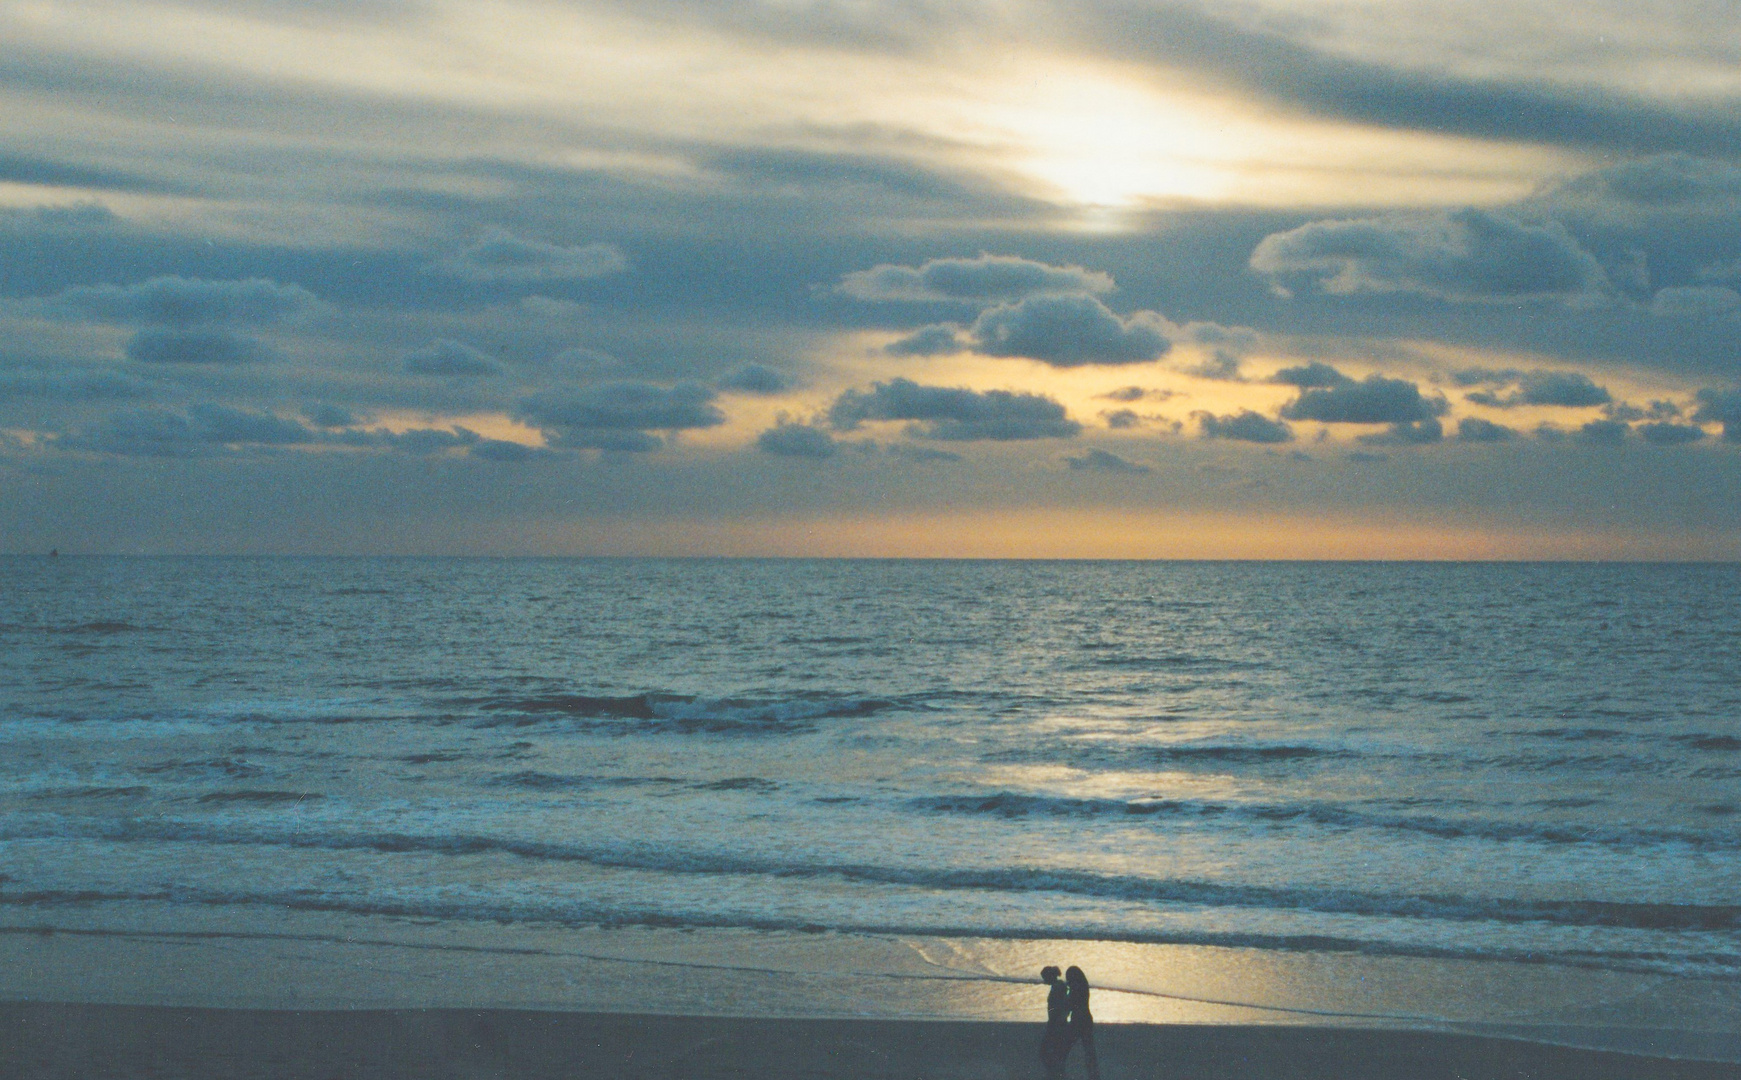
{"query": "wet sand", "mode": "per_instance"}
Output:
(39, 1040)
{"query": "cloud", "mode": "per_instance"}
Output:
(608, 439)
(985, 278)
(1220, 365)
(450, 358)
(1119, 419)
(923, 455)
(183, 302)
(158, 345)
(1664, 433)
(73, 217)
(1678, 183)
(160, 433)
(425, 441)
(623, 406)
(1695, 302)
(1227, 346)
(1413, 433)
(1476, 430)
(1312, 376)
(1128, 393)
(1604, 432)
(1102, 461)
(1723, 407)
(938, 339)
(1485, 376)
(1244, 426)
(502, 256)
(1568, 389)
(23, 169)
(72, 386)
(1326, 81)
(1377, 400)
(503, 451)
(797, 441)
(755, 379)
(329, 416)
(955, 413)
(1069, 331)
(1462, 255)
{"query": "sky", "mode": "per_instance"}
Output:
(982, 278)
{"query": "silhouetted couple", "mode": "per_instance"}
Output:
(1068, 1022)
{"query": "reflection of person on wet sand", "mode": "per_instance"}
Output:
(1081, 1021)
(1056, 1042)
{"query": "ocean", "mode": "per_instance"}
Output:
(1466, 768)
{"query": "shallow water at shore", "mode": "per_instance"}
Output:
(1532, 770)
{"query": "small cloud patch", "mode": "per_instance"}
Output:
(1244, 426)
(1104, 462)
(797, 441)
(502, 256)
(219, 348)
(452, 359)
(955, 413)
(984, 278)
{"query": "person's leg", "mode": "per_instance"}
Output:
(1089, 1059)
(1053, 1048)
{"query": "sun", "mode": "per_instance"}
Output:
(1092, 139)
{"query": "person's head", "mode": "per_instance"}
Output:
(1049, 974)
(1075, 978)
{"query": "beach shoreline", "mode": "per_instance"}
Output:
(43, 1039)
(234, 960)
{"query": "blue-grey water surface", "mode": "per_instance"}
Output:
(1499, 761)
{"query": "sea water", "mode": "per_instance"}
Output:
(1469, 764)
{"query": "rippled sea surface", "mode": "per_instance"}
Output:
(1528, 762)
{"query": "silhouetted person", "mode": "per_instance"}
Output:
(1055, 1044)
(1081, 1020)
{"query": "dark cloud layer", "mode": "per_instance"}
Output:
(985, 278)
(1310, 376)
(502, 256)
(755, 379)
(1604, 432)
(1376, 400)
(1461, 255)
(955, 413)
(158, 345)
(619, 416)
(450, 358)
(18, 168)
(176, 301)
(1476, 430)
(1723, 407)
(1068, 331)
(1280, 68)
(1413, 433)
(72, 386)
(1665, 433)
(202, 428)
(938, 339)
(1570, 389)
(1244, 426)
(797, 441)
(1103, 461)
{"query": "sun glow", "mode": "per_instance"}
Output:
(1100, 142)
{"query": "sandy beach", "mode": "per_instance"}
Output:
(63, 1040)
